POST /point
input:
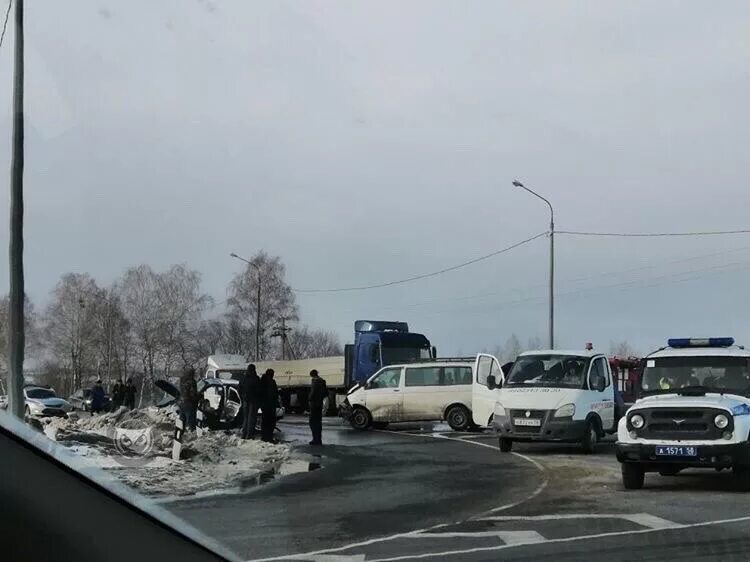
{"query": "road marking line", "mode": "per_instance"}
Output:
(570, 539)
(508, 537)
(643, 519)
(417, 531)
(652, 521)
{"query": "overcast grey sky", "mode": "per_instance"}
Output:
(370, 141)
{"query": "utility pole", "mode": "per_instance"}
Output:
(517, 183)
(16, 335)
(257, 321)
(281, 332)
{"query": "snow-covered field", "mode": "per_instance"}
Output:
(213, 461)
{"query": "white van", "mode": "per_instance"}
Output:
(427, 391)
(549, 395)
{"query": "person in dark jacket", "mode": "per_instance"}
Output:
(97, 398)
(129, 394)
(188, 398)
(318, 392)
(269, 401)
(118, 395)
(249, 394)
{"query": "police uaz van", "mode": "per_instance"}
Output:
(693, 411)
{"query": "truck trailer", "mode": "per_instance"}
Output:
(377, 343)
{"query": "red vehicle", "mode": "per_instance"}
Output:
(627, 373)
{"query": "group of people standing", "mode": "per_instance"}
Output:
(257, 393)
(121, 395)
(262, 393)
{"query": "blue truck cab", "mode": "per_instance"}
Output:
(378, 343)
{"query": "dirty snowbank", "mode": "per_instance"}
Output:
(212, 460)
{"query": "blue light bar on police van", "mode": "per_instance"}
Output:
(700, 342)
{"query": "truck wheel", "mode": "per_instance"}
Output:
(742, 477)
(361, 419)
(458, 418)
(505, 445)
(632, 476)
(590, 437)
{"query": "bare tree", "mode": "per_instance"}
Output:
(510, 350)
(110, 329)
(534, 342)
(181, 305)
(622, 349)
(258, 298)
(139, 293)
(307, 342)
(69, 327)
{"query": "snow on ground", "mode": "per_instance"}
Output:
(211, 460)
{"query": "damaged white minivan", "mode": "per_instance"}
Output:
(426, 391)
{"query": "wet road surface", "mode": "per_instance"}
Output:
(424, 492)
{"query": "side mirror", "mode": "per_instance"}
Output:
(434, 352)
(491, 382)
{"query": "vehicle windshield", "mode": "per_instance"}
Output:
(713, 373)
(393, 355)
(40, 393)
(557, 371)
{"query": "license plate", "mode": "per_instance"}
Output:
(531, 422)
(676, 451)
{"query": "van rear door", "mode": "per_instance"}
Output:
(483, 399)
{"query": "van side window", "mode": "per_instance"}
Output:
(424, 376)
(457, 375)
(597, 372)
(388, 378)
(488, 366)
(605, 371)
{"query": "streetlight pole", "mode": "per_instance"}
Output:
(517, 183)
(257, 308)
(16, 333)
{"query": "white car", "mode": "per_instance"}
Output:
(693, 412)
(42, 401)
(425, 391)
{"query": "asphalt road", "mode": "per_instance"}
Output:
(425, 492)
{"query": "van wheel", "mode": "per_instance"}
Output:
(632, 476)
(589, 439)
(505, 445)
(458, 418)
(361, 419)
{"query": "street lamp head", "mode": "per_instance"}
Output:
(518, 183)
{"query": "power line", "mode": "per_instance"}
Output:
(651, 234)
(573, 279)
(5, 23)
(426, 275)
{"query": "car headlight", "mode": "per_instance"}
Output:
(566, 411)
(721, 421)
(741, 410)
(499, 410)
(637, 421)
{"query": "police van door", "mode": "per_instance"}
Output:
(601, 398)
(483, 398)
